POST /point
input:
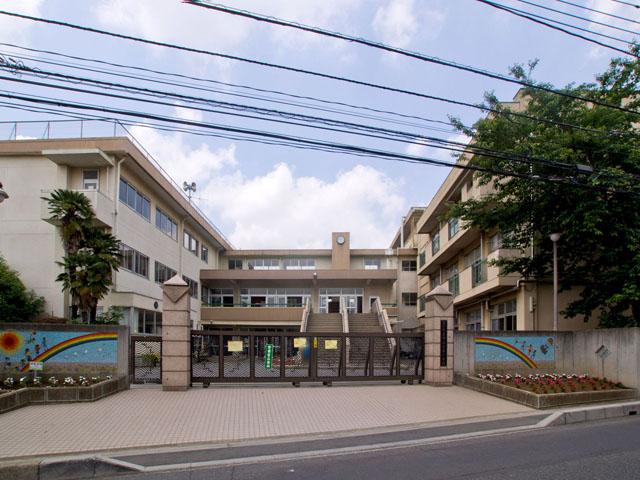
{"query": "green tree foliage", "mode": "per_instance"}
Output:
(599, 252)
(91, 253)
(17, 304)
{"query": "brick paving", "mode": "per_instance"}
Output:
(144, 417)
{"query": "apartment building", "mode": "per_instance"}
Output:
(460, 258)
(162, 233)
(330, 289)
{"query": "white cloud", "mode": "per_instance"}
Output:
(396, 23)
(188, 114)
(15, 30)
(279, 209)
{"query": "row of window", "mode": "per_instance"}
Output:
(303, 264)
(131, 197)
(503, 317)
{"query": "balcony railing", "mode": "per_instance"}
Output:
(244, 315)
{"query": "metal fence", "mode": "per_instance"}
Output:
(146, 359)
(240, 356)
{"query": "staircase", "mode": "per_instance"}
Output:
(324, 322)
(359, 347)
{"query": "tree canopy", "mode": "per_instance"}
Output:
(587, 188)
(17, 304)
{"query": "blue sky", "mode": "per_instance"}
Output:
(269, 197)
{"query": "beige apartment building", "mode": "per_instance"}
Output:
(460, 258)
(162, 233)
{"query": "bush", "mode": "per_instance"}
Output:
(17, 304)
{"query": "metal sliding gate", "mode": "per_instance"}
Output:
(242, 356)
(145, 362)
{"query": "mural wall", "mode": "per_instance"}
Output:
(62, 352)
(515, 354)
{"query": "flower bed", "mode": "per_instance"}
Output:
(21, 393)
(14, 383)
(547, 390)
(546, 383)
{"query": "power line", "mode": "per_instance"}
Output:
(319, 74)
(483, 108)
(532, 17)
(579, 17)
(342, 148)
(401, 51)
(626, 3)
(601, 12)
(379, 133)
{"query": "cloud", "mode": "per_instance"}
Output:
(18, 31)
(400, 21)
(279, 209)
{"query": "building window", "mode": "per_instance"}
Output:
(264, 264)
(193, 286)
(435, 242)
(204, 254)
(221, 297)
(149, 321)
(235, 264)
(134, 261)
(478, 267)
(299, 264)
(409, 299)
(372, 264)
(190, 243)
(422, 258)
(163, 273)
(90, 179)
(274, 297)
(409, 265)
(495, 242)
(504, 316)
(165, 224)
(134, 200)
(422, 302)
(473, 321)
(453, 279)
(435, 280)
(454, 226)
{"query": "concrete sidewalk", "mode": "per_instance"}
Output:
(144, 417)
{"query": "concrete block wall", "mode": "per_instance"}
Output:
(575, 352)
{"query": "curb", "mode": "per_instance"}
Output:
(96, 466)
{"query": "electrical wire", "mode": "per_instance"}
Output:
(626, 3)
(532, 17)
(601, 12)
(320, 74)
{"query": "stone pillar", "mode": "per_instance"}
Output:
(438, 329)
(176, 335)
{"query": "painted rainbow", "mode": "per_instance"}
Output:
(494, 342)
(67, 344)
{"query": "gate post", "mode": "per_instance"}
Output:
(176, 335)
(438, 338)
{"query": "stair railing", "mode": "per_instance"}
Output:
(305, 316)
(344, 313)
(383, 320)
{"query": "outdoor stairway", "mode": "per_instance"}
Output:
(324, 322)
(359, 347)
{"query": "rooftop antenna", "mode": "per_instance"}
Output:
(189, 188)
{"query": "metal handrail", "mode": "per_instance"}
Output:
(383, 319)
(305, 317)
(345, 328)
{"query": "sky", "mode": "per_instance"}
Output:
(267, 196)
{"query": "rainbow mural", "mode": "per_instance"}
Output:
(532, 351)
(19, 347)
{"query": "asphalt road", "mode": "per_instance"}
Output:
(598, 450)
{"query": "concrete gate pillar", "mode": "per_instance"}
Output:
(438, 338)
(176, 335)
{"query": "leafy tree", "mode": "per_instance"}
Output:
(599, 251)
(17, 304)
(91, 253)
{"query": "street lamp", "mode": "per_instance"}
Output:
(3, 195)
(554, 238)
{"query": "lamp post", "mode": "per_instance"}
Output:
(554, 238)
(3, 195)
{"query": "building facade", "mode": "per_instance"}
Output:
(161, 233)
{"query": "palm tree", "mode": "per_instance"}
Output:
(74, 213)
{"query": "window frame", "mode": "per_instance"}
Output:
(96, 180)
(170, 223)
(413, 265)
(410, 299)
(133, 197)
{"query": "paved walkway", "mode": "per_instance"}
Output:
(144, 417)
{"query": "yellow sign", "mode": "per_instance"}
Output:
(235, 346)
(331, 344)
(315, 342)
(299, 342)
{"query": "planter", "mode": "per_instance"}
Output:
(44, 395)
(549, 400)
